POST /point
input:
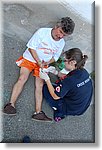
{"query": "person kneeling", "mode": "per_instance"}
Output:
(71, 95)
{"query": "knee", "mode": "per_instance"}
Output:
(22, 79)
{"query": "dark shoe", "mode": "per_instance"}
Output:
(57, 119)
(9, 109)
(26, 139)
(58, 116)
(41, 117)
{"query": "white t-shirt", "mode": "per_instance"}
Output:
(44, 45)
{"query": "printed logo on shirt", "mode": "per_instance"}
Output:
(58, 88)
(84, 82)
(45, 43)
(48, 50)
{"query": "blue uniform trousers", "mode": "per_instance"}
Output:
(58, 104)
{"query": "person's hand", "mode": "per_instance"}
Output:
(41, 65)
(51, 69)
(45, 63)
(43, 75)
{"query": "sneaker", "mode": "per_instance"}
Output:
(58, 119)
(41, 117)
(9, 109)
(58, 116)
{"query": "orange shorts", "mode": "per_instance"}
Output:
(31, 66)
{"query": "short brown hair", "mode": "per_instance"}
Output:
(67, 25)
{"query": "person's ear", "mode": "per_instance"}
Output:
(74, 62)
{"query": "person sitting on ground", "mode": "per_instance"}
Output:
(43, 48)
(71, 95)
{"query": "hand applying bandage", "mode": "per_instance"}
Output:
(51, 69)
(43, 75)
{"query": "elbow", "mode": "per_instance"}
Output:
(55, 97)
(29, 50)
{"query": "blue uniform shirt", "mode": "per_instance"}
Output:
(75, 91)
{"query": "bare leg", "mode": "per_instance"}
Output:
(17, 89)
(38, 94)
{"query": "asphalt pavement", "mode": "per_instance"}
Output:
(20, 21)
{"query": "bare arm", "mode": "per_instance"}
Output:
(35, 56)
(51, 90)
(49, 62)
